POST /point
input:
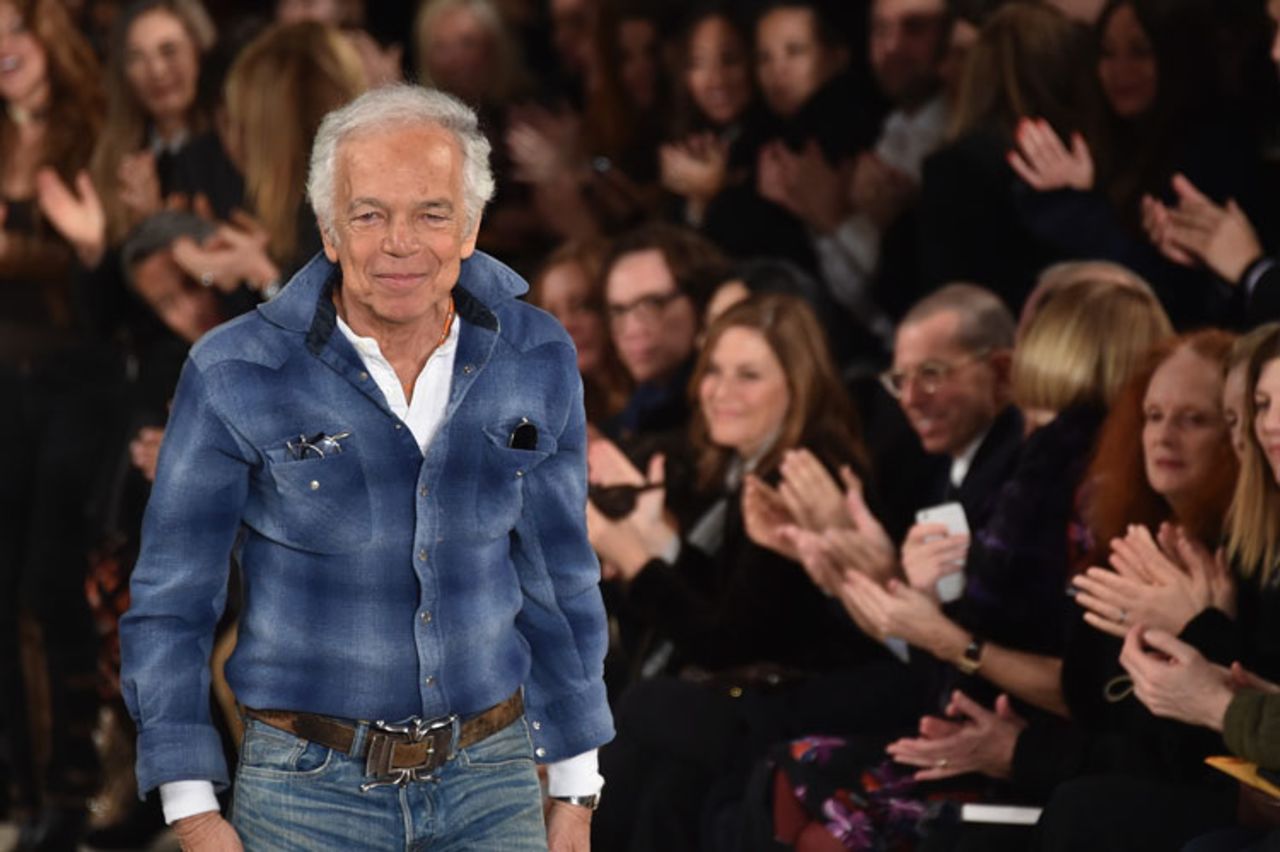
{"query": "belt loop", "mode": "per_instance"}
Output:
(358, 738)
(455, 734)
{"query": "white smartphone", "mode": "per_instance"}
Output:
(950, 586)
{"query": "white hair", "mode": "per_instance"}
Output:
(400, 105)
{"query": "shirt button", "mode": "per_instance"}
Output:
(398, 426)
(537, 726)
(468, 369)
(429, 680)
(315, 485)
(426, 618)
(422, 492)
(364, 377)
(540, 751)
(422, 554)
(519, 473)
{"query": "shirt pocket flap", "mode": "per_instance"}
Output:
(323, 503)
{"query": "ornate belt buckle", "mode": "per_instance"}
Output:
(437, 733)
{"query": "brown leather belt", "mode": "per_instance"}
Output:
(396, 753)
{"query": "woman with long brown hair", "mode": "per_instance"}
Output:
(52, 378)
(724, 614)
(154, 109)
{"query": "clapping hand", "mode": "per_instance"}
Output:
(628, 543)
(139, 185)
(77, 214)
(879, 190)
(542, 144)
(1174, 681)
(810, 493)
(805, 184)
(766, 518)
(1164, 588)
(696, 167)
(1198, 231)
(984, 741)
(893, 610)
(1045, 163)
(235, 253)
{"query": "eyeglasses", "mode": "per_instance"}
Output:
(647, 309)
(928, 375)
(316, 447)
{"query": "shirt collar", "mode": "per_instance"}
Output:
(305, 304)
(961, 463)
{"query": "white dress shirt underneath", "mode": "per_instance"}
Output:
(423, 414)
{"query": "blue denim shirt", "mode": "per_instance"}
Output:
(378, 583)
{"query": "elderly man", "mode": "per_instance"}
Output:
(951, 375)
(393, 450)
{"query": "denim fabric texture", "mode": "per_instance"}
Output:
(378, 583)
(292, 794)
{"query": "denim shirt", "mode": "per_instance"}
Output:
(378, 583)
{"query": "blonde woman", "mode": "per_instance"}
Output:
(278, 90)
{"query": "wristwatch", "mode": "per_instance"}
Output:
(589, 802)
(971, 660)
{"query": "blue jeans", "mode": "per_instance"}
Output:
(294, 794)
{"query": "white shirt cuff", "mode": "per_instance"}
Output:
(577, 776)
(186, 798)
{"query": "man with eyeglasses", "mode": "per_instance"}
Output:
(657, 280)
(950, 374)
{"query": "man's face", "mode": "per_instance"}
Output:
(400, 226)
(654, 325)
(963, 402)
(905, 47)
(186, 308)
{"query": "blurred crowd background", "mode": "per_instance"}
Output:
(926, 348)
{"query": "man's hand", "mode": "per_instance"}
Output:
(208, 832)
(568, 827)
(931, 552)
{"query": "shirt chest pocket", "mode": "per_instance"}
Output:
(320, 504)
(501, 487)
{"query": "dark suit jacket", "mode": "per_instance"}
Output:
(992, 465)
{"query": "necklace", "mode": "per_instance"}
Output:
(448, 321)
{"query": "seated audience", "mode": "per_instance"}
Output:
(739, 619)
(951, 376)
(1003, 632)
(1177, 797)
